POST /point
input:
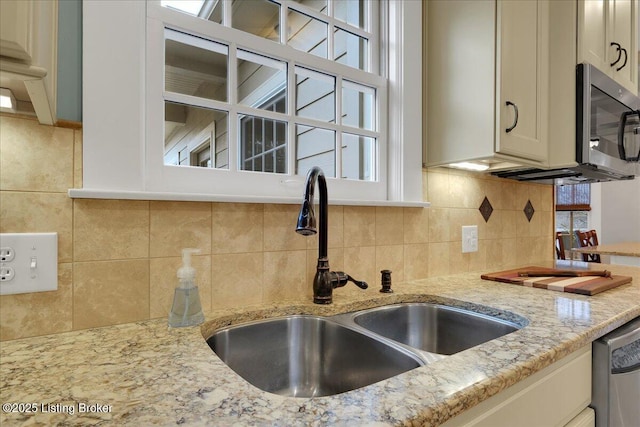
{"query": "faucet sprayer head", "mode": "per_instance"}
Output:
(306, 219)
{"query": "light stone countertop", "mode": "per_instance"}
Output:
(146, 374)
(622, 249)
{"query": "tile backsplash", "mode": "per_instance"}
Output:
(118, 258)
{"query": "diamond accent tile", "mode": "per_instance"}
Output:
(528, 210)
(486, 209)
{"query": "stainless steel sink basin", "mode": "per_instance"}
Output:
(305, 356)
(431, 327)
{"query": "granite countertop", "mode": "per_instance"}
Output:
(622, 249)
(146, 374)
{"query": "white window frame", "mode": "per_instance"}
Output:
(118, 163)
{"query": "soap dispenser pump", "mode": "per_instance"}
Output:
(186, 309)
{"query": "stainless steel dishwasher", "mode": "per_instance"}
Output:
(616, 377)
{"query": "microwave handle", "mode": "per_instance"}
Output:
(621, 127)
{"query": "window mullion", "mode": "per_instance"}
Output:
(338, 134)
(292, 149)
(232, 95)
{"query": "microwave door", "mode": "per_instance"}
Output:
(607, 116)
(629, 137)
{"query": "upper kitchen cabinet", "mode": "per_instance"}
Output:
(487, 82)
(607, 38)
(28, 55)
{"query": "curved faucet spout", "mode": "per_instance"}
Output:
(325, 280)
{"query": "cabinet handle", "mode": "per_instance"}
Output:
(622, 124)
(515, 120)
(619, 49)
(625, 60)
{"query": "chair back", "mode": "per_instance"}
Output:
(560, 246)
(588, 238)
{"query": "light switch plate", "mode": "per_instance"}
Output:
(469, 238)
(28, 262)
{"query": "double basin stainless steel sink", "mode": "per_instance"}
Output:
(307, 356)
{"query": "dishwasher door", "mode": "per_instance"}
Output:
(616, 377)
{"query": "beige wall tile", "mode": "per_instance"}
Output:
(510, 195)
(478, 260)
(416, 225)
(494, 257)
(439, 225)
(359, 226)
(508, 224)
(416, 261)
(465, 191)
(493, 228)
(280, 228)
(524, 228)
(389, 226)
(39, 213)
(547, 198)
(438, 188)
(237, 228)
(458, 262)
(110, 229)
(77, 158)
(458, 218)
(438, 259)
(110, 293)
(163, 282)
(237, 280)
(493, 190)
(35, 157)
(39, 313)
(389, 258)
(284, 276)
(360, 263)
(178, 225)
(509, 254)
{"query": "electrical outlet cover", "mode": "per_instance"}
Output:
(469, 238)
(33, 266)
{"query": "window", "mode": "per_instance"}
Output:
(573, 203)
(247, 96)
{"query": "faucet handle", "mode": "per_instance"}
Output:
(359, 283)
(341, 278)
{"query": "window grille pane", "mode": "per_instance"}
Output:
(263, 144)
(317, 5)
(193, 135)
(315, 95)
(259, 17)
(315, 147)
(198, 70)
(358, 157)
(350, 49)
(307, 34)
(358, 105)
(574, 197)
(352, 12)
(210, 10)
(259, 79)
(192, 7)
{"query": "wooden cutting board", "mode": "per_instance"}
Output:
(585, 285)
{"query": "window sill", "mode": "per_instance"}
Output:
(85, 193)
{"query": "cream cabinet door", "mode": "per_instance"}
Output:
(607, 38)
(16, 21)
(520, 79)
(593, 44)
(623, 19)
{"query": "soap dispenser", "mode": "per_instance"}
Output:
(186, 309)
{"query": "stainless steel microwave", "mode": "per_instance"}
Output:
(607, 134)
